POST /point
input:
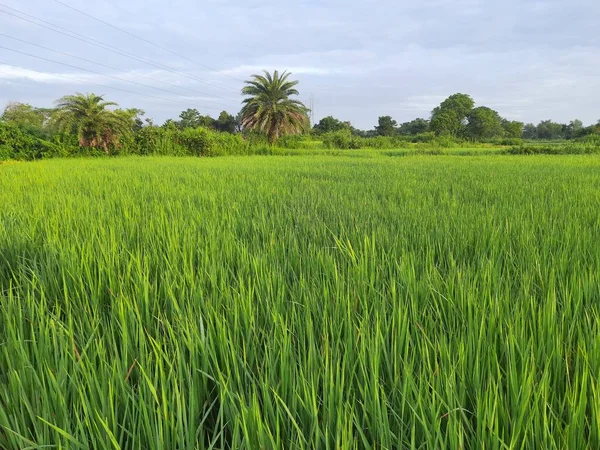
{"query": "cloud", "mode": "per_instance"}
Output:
(359, 59)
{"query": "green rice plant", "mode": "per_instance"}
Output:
(300, 302)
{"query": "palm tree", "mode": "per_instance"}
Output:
(269, 108)
(87, 116)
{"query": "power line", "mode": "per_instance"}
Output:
(91, 41)
(105, 86)
(109, 67)
(90, 71)
(101, 85)
(146, 40)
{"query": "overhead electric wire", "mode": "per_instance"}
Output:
(91, 41)
(93, 71)
(111, 68)
(98, 84)
(145, 40)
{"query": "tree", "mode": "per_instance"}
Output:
(191, 118)
(574, 129)
(386, 126)
(329, 124)
(446, 123)
(450, 117)
(414, 127)
(530, 131)
(549, 130)
(270, 109)
(484, 123)
(226, 123)
(87, 117)
(27, 118)
(512, 128)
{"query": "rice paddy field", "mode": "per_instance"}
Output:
(301, 302)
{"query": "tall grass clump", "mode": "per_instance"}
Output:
(300, 303)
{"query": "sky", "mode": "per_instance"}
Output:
(355, 60)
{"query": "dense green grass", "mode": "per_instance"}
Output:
(318, 302)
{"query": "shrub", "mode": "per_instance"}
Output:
(294, 141)
(343, 140)
(564, 149)
(17, 144)
(424, 138)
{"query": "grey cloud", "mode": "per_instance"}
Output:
(359, 59)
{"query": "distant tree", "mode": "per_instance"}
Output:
(132, 118)
(386, 126)
(88, 117)
(191, 118)
(170, 123)
(270, 109)
(549, 130)
(28, 118)
(484, 123)
(450, 118)
(512, 128)
(530, 131)
(329, 124)
(414, 127)
(574, 129)
(447, 123)
(226, 123)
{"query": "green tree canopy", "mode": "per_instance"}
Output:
(270, 109)
(226, 123)
(549, 130)
(529, 131)
(87, 116)
(191, 118)
(574, 129)
(386, 126)
(512, 128)
(329, 124)
(484, 123)
(414, 127)
(450, 118)
(27, 117)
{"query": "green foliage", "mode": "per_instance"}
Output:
(414, 127)
(19, 145)
(484, 123)
(330, 124)
(300, 303)
(548, 130)
(512, 129)
(269, 108)
(226, 123)
(191, 118)
(530, 131)
(583, 147)
(88, 118)
(447, 123)
(28, 118)
(450, 117)
(386, 126)
(343, 140)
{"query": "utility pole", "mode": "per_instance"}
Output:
(312, 110)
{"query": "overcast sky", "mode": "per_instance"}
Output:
(358, 60)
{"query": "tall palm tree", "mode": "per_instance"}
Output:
(269, 108)
(87, 116)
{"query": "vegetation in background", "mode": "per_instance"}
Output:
(85, 125)
(269, 108)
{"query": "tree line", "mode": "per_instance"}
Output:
(457, 117)
(269, 109)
